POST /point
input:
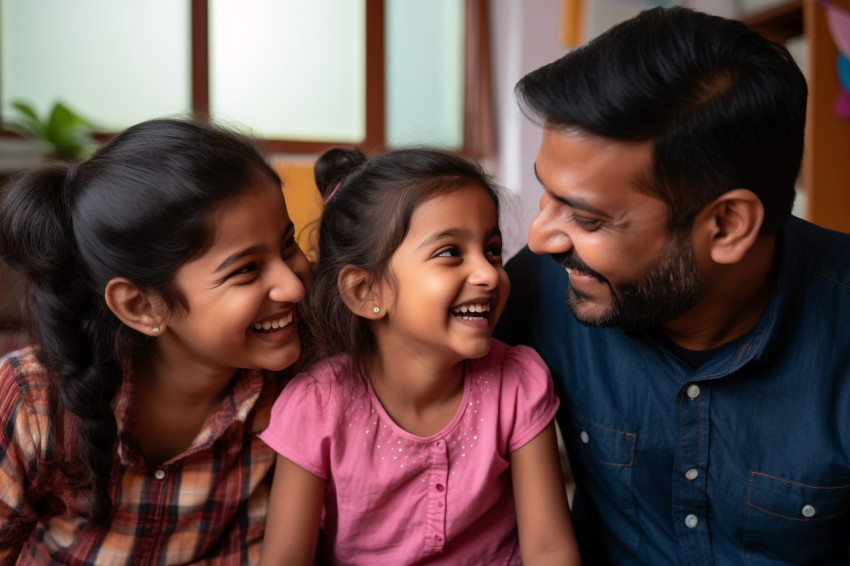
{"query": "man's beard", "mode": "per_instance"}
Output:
(669, 289)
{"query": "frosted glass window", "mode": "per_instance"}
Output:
(114, 62)
(424, 62)
(289, 69)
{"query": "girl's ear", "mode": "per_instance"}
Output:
(731, 224)
(358, 292)
(135, 308)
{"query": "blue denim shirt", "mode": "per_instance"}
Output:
(743, 461)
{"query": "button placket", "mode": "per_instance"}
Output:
(690, 496)
(437, 494)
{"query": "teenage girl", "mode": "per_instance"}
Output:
(414, 437)
(163, 278)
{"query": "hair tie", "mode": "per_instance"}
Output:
(333, 192)
(72, 172)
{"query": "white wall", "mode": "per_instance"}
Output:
(524, 36)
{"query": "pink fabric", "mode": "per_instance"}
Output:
(395, 498)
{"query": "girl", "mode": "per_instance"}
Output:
(414, 437)
(163, 280)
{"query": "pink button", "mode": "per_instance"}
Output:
(440, 487)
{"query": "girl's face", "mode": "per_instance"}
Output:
(242, 291)
(449, 284)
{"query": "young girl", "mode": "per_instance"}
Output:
(163, 279)
(415, 438)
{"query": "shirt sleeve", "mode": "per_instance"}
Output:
(528, 398)
(21, 427)
(302, 424)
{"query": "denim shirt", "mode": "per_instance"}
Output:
(745, 460)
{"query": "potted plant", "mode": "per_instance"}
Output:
(61, 134)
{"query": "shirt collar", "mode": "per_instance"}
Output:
(236, 407)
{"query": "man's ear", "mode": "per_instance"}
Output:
(137, 309)
(732, 223)
(360, 293)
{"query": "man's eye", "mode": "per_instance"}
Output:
(587, 223)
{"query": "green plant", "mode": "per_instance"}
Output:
(63, 133)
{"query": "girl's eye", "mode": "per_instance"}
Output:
(448, 252)
(245, 269)
(287, 245)
(494, 252)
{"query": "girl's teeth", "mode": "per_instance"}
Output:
(268, 325)
(474, 308)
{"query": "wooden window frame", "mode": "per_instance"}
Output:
(374, 139)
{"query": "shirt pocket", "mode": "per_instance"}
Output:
(790, 520)
(603, 464)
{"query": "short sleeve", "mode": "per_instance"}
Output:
(302, 424)
(528, 398)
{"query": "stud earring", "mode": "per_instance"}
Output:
(376, 310)
(155, 329)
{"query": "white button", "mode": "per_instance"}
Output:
(808, 511)
(585, 438)
(159, 474)
(692, 474)
(691, 521)
(693, 391)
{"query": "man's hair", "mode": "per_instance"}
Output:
(724, 107)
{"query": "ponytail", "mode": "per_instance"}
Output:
(66, 319)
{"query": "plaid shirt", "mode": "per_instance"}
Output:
(205, 505)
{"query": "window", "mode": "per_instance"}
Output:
(304, 75)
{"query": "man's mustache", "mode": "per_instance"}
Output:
(573, 262)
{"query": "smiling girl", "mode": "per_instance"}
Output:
(414, 437)
(163, 280)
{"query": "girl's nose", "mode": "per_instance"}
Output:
(288, 281)
(546, 233)
(484, 273)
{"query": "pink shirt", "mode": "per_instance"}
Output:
(396, 498)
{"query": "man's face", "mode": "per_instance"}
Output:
(625, 267)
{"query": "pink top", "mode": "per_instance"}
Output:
(396, 498)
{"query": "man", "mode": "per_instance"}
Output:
(699, 334)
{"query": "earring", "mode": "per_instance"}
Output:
(376, 310)
(155, 329)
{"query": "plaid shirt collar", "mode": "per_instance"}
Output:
(234, 408)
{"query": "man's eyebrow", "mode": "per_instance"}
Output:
(572, 202)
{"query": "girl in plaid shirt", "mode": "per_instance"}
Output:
(163, 283)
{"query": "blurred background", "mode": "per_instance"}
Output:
(378, 74)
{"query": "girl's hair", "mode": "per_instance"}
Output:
(139, 208)
(363, 223)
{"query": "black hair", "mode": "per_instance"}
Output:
(362, 225)
(724, 107)
(139, 208)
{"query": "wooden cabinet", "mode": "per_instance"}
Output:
(826, 164)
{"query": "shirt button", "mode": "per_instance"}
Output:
(440, 487)
(808, 511)
(440, 504)
(159, 474)
(691, 521)
(692, 474)
(585, 438)
(693, 391)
